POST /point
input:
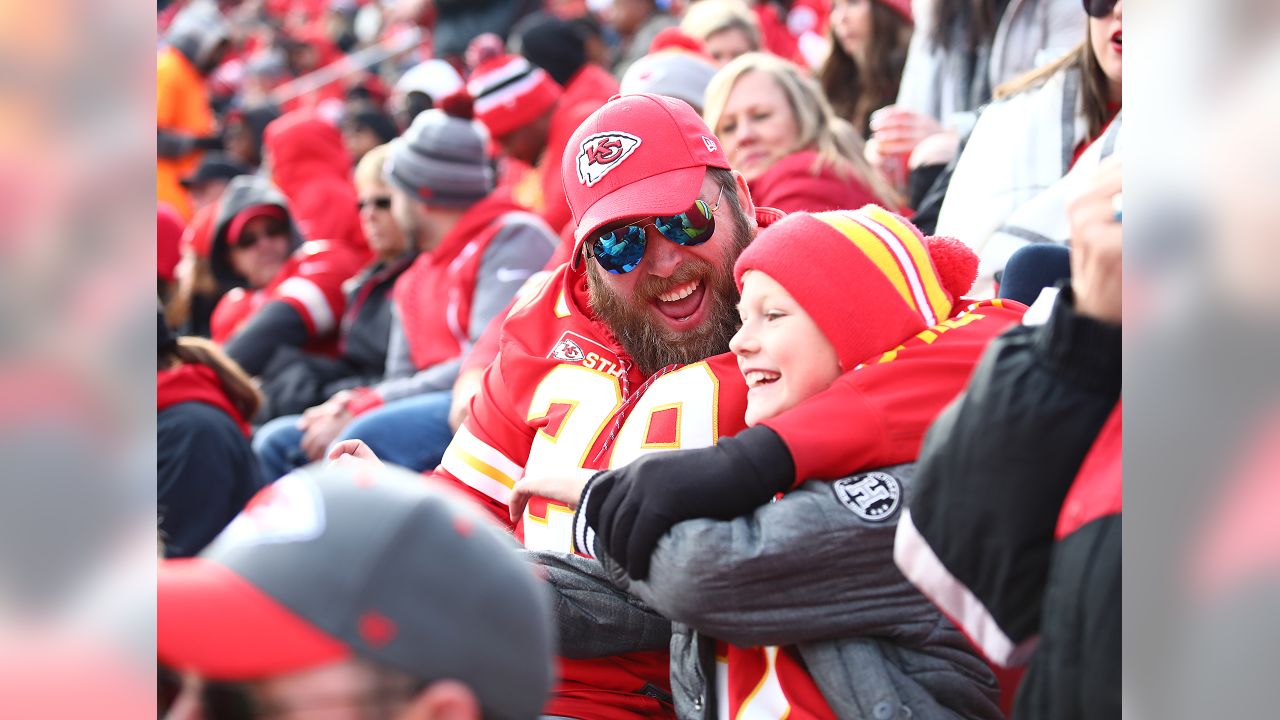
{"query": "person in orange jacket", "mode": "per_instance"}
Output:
(185, 127)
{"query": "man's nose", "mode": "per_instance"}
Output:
(662, 255)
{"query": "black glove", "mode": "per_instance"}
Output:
(631, 508)
(209, 142)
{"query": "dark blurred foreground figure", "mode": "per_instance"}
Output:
(1015, 532)
(205, 469)
(344, 592)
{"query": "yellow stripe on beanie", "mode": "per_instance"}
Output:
(874, 249)
(919, 254)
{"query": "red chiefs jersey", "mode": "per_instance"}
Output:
(310, 281)
(562, 394)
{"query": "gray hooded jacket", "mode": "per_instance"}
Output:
(813, 570)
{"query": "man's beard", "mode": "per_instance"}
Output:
(645, 338)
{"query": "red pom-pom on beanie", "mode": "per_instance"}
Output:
(956, 263)
(459, 105)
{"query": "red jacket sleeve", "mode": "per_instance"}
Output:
(877, 414)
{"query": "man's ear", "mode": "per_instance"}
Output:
(744, 196)
(444, 700)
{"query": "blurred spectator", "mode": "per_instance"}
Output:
(1015, 531)
(367, 593)
(210, 179)
(196, 292)
(295, 380)
(169, 227)
(244, 131)
(636, 22)
(674, 72)
(308, 162)
(726, 28)
(960, 51)
(365, 127)
(476, 247)
(532, 118)
(485, 47)
(421, 87)
(779, 131)
(194, 45)
(459, 21)
(279, 292)
(869, 40)
(205, 470)
(1008, 187)
(593, 39)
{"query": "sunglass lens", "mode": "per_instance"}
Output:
(620, 251)
(1099, 8)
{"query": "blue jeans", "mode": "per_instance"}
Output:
(412, 432)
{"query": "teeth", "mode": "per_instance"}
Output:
(679, 293)
(760, 377)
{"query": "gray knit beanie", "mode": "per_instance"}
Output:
(443, 158)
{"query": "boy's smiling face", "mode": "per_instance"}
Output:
(782, 354)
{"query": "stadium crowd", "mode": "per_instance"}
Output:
(639, 358)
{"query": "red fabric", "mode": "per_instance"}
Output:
(774, 35)
(169, 229)
(310, 281)
(892, 401)
(196, 383)
(589, 89)
(434, 295)
(311, 166)
(510, 93)
(791, 186)
(781, 688)
(1098, 489)
(212, 621)
(198, 236)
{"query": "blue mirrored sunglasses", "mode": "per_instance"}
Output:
(620, 250)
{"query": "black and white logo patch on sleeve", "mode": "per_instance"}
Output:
(871, 496)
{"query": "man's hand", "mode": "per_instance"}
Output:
(1096, 245)
(321, 424)
(631, 508)
(353, 454)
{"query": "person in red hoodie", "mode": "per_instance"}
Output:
(310, 164)
(780, 132)
(532, 117)
(205, 470)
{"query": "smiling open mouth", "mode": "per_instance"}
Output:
(682, 302)
(760, 378)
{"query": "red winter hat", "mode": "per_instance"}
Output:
(509, 92)
(638, 155)
(867, 277)
(250, 213)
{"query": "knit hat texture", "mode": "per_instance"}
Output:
(443, 158)
(511, 92)
(867, 277)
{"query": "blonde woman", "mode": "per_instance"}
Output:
(779, 131)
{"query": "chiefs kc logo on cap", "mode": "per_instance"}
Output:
(603, 152)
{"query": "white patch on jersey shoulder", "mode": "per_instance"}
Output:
(568, 351)
(872, 496)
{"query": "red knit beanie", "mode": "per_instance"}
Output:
(867, 277)
(510, 92)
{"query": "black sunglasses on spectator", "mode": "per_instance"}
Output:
(382, 202)
(1099, 8)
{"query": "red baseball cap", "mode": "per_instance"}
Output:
(638, 155)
